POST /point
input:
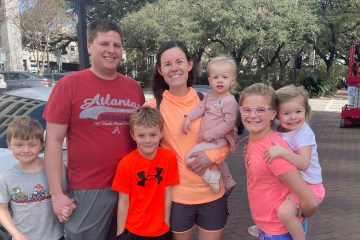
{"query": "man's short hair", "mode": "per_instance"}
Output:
(102, 25)
(25, 128)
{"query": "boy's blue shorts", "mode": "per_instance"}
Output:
(286, 236)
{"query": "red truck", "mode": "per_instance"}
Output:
(350, 113)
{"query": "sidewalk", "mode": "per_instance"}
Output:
(338, 217)
(341, 94)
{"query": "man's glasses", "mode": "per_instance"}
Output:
(260, 111)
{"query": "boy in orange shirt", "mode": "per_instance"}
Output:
(144, 179)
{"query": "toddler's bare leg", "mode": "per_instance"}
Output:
(288, 212)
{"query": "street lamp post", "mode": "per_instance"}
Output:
(81, 34)
(295, 64)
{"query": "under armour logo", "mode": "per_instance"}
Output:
(141, 175)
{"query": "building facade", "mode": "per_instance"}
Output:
(15, 57)
(52, 61)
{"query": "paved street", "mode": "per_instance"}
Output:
(339, 148)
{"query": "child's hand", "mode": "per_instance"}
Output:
(186, 126)
(59, 203)
(274, 152)
(66, 212)
(19, 236)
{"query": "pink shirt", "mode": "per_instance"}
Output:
(265, 191)
(219, 119)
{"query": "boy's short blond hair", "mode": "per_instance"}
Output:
(146, 116)
(25, 129)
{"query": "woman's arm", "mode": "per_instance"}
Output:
(123, 208)
(203, 160)
(7, 222)
(300, 188)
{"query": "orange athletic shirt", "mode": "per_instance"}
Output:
(145, 182)
(192, 188)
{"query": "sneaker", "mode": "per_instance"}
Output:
(253, 231)
(229, 185)
(213, 179)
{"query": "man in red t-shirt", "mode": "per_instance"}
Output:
(144, 179)
(91, 108)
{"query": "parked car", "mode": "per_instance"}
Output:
(202, 88)
(56, 76)
(207, 89)
(17, 79)
(3, 84)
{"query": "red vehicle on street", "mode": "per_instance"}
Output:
(350, 114)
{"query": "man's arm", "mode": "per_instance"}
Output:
(297, 185)
(167, 204)
(123, 208)
(55, 135)
(7, 222)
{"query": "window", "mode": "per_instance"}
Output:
(23, 76)
(13, 76)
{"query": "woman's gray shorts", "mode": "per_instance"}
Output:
(211, 216)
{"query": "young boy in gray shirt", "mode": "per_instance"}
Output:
(25, 187)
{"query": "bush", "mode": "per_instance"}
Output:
(322, 82)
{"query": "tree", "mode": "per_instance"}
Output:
(11, 14)
(2, 14)
(11, 36)
(143, 39)
(258, 34)
(283, 27)
(113, 9)
(339, 24)
(46, 25)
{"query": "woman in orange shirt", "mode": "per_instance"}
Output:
(193, 201)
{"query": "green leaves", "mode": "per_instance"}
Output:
(261, 35)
